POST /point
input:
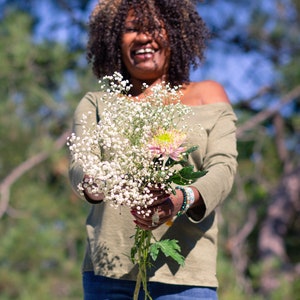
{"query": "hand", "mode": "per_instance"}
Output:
(90, 196)
(164, 208)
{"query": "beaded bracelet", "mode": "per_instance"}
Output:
(184, 203)
(188, 199)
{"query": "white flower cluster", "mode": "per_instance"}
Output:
(115, 152)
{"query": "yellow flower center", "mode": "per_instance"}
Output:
(164, 138)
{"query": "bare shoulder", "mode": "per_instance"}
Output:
(206, 92)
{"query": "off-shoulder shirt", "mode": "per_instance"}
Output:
(110, 230)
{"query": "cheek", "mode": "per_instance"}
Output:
(125, 56)
(125, 46)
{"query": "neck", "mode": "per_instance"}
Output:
(138, 88)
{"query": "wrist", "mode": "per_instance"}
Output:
(197, 212)
(188, 199)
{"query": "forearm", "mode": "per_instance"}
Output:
(87, 107)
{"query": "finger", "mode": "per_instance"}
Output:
(158, 216)
(145, 226)
(147, 221)
(164, 208)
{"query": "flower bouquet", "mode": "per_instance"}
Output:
(134, 148)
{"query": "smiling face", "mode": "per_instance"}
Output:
(145, 54)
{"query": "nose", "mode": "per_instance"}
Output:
(144, 37)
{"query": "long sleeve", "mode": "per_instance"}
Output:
(219, 157)
(88, 106)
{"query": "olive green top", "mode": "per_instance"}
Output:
(110, 230)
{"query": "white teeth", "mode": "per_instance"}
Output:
(144, 51)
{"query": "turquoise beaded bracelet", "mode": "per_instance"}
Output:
(188, 199)
(184, 203)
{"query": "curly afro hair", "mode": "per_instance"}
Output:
(186, 31)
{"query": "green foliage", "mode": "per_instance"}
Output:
(42, 232)
(168, 248)
(31, 74)
(143, 249)
(291, 73)
(230, 288)
(186, 176)
(41, 246)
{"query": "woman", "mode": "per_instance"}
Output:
(152, 42)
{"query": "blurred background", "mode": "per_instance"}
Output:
(254, 53)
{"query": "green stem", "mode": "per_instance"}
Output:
(137, 286)
(142, 244)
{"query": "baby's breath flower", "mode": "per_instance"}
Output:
(119, 152)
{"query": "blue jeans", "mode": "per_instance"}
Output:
(103, 288)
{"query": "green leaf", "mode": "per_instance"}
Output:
(133, 253)
(186, 176)
(189, 151)
(169, 248)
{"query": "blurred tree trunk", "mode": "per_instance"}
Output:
(281, 215)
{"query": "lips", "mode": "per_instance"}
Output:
(144, 51)
(143, 54)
